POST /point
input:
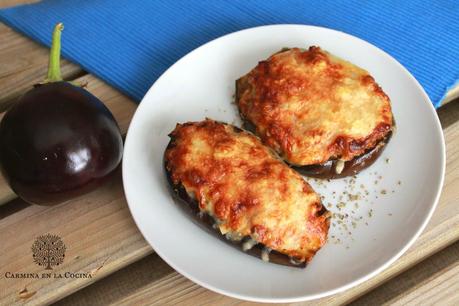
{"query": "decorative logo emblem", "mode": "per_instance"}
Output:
(48, 251)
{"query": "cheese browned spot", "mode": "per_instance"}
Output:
(247, 189)
(311, 106)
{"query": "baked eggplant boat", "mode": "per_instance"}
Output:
(242, 192)
(323, 115)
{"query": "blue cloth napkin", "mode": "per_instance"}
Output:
(129, 44)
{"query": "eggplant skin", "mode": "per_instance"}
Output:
(351, 167)
(233, 215)
(206, 222)
(327, 170)
(314, 108)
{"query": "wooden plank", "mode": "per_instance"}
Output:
(24, 63)
(435, 281)
(439, 290)
(442, 230)
(121, 107)
(8, 3)
(99, 234)
(133, 285)
(168, 287)
(452, 94)
(121, 283)
(98, 230)
(96, 207)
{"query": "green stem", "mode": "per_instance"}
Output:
(54, 66)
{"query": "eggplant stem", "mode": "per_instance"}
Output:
(54, 66)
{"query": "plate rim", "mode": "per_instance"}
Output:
(357, 281)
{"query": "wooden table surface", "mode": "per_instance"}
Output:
(103, 241)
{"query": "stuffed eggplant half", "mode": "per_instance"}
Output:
(241, 191)
(323, 115)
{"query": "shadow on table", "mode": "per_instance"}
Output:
(449, 113)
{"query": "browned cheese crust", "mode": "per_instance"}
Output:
(312, 107)
(246, 189)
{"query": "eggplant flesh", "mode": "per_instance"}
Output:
(351, 167)
(327, 170)
(208, 223)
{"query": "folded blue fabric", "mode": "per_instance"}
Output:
(129, 44)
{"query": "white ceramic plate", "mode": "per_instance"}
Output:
(399, 194)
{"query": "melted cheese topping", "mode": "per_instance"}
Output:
(311, 106)
(249, 191)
